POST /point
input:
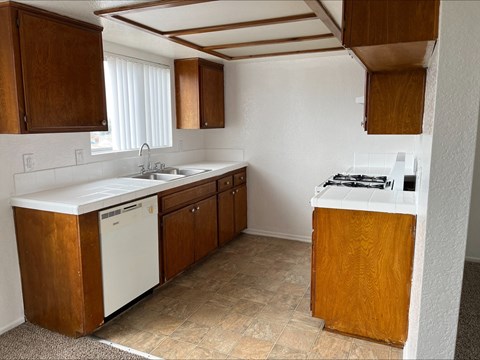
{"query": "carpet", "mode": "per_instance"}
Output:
(468, 334)
(28, 341)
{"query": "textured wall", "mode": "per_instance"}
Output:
(298, 123)
(442, 232)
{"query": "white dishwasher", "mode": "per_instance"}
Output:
(129, 250)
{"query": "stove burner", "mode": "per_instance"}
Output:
(364, 178)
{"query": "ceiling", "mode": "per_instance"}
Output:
(228, 30)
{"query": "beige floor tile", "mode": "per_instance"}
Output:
(171, 290)
(247, 307)
(292, 289)
(368, 352)
(251, 348)
(202, 353)
(396, 354)
(264, 330)
(190, 332)
(331, 346)
(300, 319)
(232, 291)
(220, 340)
(304, 306)
(285, 301)
(298, 338)
(235, 322)
(275, 314)
(116, 333)
(209, 315)
(222, 300)
(258, 295)
(173, 349)
(282, 352)
(143, 341)
(180, 309)
(195, 295)
(210, 285)
(161, 324)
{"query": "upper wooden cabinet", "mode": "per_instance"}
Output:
(52, 73)
(394, 102)
(390, 35)
(199, 94)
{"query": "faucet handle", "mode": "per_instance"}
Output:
(159, 165)
(142, 168)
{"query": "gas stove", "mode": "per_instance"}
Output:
(357, 181)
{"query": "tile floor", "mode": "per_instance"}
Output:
(250, 300)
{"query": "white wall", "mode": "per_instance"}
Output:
(447, 158)
(58, 151)
(298, 123)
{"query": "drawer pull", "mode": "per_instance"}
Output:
(198, 207)
(193, 210)
(242, 178)
(233, 192)
(227, 183)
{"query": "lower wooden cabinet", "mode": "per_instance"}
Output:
(361, 272)
(232, 213)
(60, 264)
(188, 235)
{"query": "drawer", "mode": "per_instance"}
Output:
(187, 196)
(240, 178)
(225, 183)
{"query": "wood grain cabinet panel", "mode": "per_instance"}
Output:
(394, 102)
(206, 239)
(362, 268)
(53, 71)
(199, 93)
(61, 273)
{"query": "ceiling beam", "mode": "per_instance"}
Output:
(159, 33)
(239, 25)
(298, 52)
(157, 4)
(269, 42)
(323, 14)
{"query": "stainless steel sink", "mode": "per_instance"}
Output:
(185, 172)
(158, 176)
(169, 174)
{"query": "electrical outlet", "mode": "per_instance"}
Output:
(28, 162)
(79, 158)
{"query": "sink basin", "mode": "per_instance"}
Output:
(185, 172)
(158, 176)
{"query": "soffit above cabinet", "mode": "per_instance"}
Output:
(236, 29)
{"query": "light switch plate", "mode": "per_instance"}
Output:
(28, 162)
(79, 156)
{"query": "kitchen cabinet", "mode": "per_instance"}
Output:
(59, 256)
(390, 35)
(189, 233)
(51, 68)
(394, 102)
(232, 208)
(199, 93)
(361, 272)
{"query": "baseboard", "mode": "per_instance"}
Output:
(277, 235)
(472, 259)
(12, 325)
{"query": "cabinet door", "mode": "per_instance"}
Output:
(240, 208)
(63, 81)
(226, 218)
(205, 227)
(395, 102)
(178, 240)
(212, 98)
(363, 267)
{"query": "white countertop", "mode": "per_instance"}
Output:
(389, 201)
(96, 195)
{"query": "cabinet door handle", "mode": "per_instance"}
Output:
(227, 183)
(104, 122)
(198, 207)
(242, 178)
(233, 192)
(193, 210)
(206, 124)
(236, 191)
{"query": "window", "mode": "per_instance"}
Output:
(138, 105)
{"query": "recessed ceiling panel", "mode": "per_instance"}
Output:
(216, 13)
(267, 32)
(335, 8)
(279, 48)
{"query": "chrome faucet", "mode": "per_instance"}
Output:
(140, 153)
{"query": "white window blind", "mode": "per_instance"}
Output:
(138, 105)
